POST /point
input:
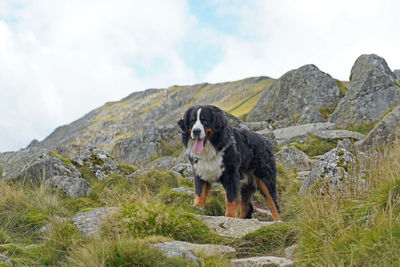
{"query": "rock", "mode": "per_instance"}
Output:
(6, 261)
(338, 134)
(99, 161)
(301, 176)
(34, 143)
(173, 250)
(139, 149)
(73, 187)
(371, 93)
(89, 222)
(345, 144)
(309, 114)
(207, 249)
(293, 159)
(35, 165)
(232, 227)
(162, 163)
(397, 74)
(258, 126)
(262, 262)
(268, 133)
(185, 169)
(332, 169)
(290, 251)
(386, 132)
(184, 191)
(299, 132)
(285, 99)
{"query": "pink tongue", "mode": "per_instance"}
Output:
(198, 146)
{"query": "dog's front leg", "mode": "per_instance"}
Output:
(231, 183)
(202, 191)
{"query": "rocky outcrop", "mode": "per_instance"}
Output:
(100, 162)
(139, 149)
(6, 261)
(35, 165)
(385, 132)
(309, 114)
(371, 93)
(293, 159)
(89, 222)
(300, 132)
(286, 98)
(232, 227)
(397, 74)
(271, 261)
(73, 187)
(334, 135)
(180, 248)
(332, 169)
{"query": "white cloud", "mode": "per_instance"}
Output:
(278, 36)
(61, 59)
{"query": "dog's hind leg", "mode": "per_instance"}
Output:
(246, 208)
(271, 199)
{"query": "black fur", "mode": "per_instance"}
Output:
(250, 153)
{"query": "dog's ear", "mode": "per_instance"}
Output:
(181, 124)
(220, 120)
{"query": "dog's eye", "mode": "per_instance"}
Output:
(202, 118)
(193, 118)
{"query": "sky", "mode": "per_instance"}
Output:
(61, 59)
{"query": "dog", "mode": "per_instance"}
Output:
(241, 160)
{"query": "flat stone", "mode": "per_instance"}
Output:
(73, 187)
(205, 249)
(232, 227)
(338, 134)
(262, 262)
(184, 191)
(89, 222)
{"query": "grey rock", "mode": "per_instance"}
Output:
(258, 126)
(290, 251)
(302, 175)
(345, 144)
(99, 161)
(285, 99)
(206, 249)
(371, 93)
(139, 149)
(338, 134)
(162, 163)
(89, 222)
(309, 114)
(262, 262)
(34, 165)
(185, 169)
(293, 159)
(5, 260)
(397, 74)
(232, 227)
(386, 132)
(299, 132)
(176, 250)
(331, 169)
(184, 191)
(73, 187)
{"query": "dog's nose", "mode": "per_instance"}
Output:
(196, 132)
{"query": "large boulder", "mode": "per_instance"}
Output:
(73, 187)
(141, 148)
(332, 170)
(89, 222)
(286, 98)
(371, 93)
(35, 165)
(293, 159)
(386, 132)
(99, 161)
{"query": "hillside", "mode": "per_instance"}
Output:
(114, 188)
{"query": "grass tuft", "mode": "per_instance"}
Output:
(315, 146)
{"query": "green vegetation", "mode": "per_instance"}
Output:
(126, 169)
(65, 160)
(356, 227)
(397, 83)
(364, 128)
(326, 111)
(314, 146)
(343, 86)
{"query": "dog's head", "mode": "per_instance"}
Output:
(201, 124)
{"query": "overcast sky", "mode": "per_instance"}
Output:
(61, 59)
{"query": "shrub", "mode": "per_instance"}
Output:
(315, 146)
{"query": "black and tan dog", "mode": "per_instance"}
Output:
(240, 160)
